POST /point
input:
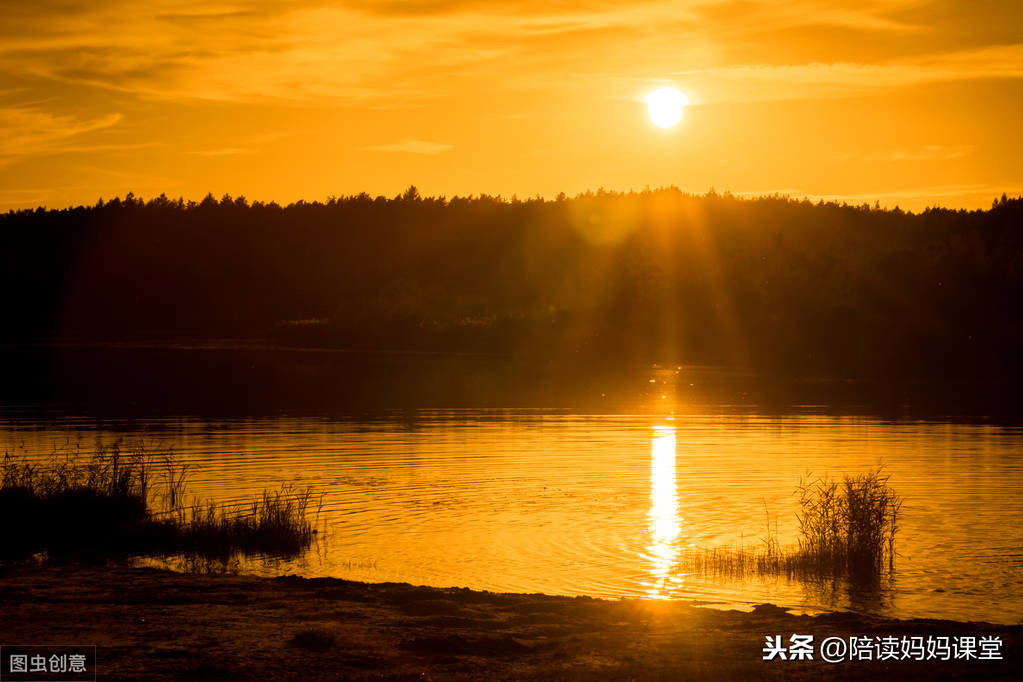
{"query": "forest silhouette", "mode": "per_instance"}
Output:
(771, 284)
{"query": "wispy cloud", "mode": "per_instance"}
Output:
(313, 51)
(28, 131)
(225, 151)
(412, 147)
(930, 152)
(759, 82)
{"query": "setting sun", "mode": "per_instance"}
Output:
(665, 106)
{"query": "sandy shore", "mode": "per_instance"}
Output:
(154, 624)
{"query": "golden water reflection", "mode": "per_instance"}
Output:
(601, 505)
(665, 522)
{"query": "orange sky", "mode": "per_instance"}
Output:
(908, 102)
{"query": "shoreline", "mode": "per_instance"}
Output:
(153, 623)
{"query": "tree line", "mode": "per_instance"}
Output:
(772, 283)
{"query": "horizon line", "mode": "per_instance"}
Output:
(411, 193)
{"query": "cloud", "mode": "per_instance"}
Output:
(394, 53)
(412, 147)
(29, 131)
(930, 152)
(300, 53)
(839, 79)
(225, 151)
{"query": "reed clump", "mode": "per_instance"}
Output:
(847, 530)
(122, 502)
(848, 526)
(277, 522)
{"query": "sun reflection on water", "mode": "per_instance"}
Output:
(664, 517)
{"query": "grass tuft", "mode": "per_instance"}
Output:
(847, 530)
(313, 639)
(275, 523)
(849, 527)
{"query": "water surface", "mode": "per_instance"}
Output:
(563, 502)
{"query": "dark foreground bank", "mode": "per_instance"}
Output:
(154, 624)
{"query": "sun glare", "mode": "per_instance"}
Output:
(665, 106)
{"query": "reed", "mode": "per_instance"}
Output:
(849, 526)
(275, 523)
(133, 501)
(847, 530)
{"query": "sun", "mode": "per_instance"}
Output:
(665, 106)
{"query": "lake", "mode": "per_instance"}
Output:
(597, 502)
